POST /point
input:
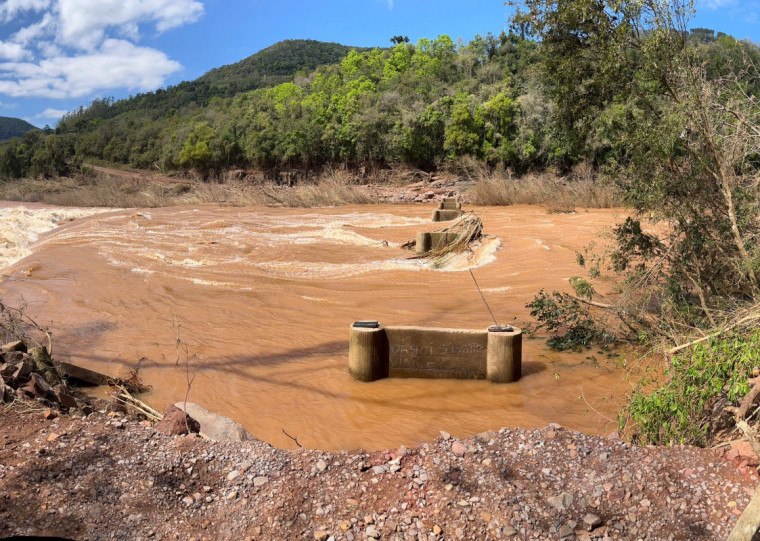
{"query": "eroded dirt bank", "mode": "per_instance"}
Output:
(111, 478)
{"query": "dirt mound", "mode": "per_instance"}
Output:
(107, 476)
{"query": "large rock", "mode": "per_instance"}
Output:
(7, 370)
(41, 357)
(64, 399)
(744, 450)
(23, 370)
(15, 357)
(83, 375)
(13, 346)
(6, 393)
(214, 426)
(44, 365)
(176, 422)
(38, 387)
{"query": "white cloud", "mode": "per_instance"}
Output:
(11, 8)
(75, 48)
(12, 51)
(117, 64)
(52, 113)
(83, 23)
(34, 31)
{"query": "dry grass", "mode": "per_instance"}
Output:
(103, 190)
(580, 189)
(333, 187)
(93, 191)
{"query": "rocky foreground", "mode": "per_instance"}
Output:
(109, 476)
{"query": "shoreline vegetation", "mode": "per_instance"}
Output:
(472, 180)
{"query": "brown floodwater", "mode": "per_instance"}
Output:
(264, 298)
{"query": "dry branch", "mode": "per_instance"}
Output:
(123, 396)
(753, 315)
(747, 402)
(469, 228)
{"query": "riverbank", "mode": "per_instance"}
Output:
(105, 477)
(97, 186)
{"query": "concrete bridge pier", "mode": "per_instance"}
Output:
(504, 354)
(368, 353)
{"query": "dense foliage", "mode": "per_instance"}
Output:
(269, 67)
(13, 127)
(411, 103)
(686, 403)
(672, 116)
(495, 99)
(676, 127)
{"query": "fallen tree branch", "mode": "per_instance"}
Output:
(673, 351)
(746, 319)
(125, 397)
(292, 438)
(747, 402)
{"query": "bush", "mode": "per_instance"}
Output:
(562, 312)
(689, 406)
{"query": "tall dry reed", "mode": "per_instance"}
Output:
(581, 188)
(104, 190)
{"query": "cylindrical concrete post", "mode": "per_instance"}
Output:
(367, 354)
(424, 243)
(504, 355)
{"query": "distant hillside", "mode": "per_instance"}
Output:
(275, 65)
(422, 104)
(13, 127)
(268, 67)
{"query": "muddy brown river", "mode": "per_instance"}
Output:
(264, 299)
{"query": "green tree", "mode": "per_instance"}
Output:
(464, 129)
(197, 151)
(684, 154)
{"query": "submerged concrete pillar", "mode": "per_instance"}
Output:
(446, 215)
(449, 205)
(504, 355)
(424, 243)
(367, 353)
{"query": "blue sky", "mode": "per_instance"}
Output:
(56, 55)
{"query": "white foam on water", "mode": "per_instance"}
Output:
(327, 271)
(496, 289)
(542, 245)
(480, 256)
(21, 227)
(355, 219)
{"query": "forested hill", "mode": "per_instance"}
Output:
(13, 127)
(269, 67)
(275, 64)
(419, 104)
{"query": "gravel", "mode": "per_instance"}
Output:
(101, 481)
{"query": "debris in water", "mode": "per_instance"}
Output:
(468, 229)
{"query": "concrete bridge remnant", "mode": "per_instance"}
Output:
(448, 209)
(435, 241)
(376, 352)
